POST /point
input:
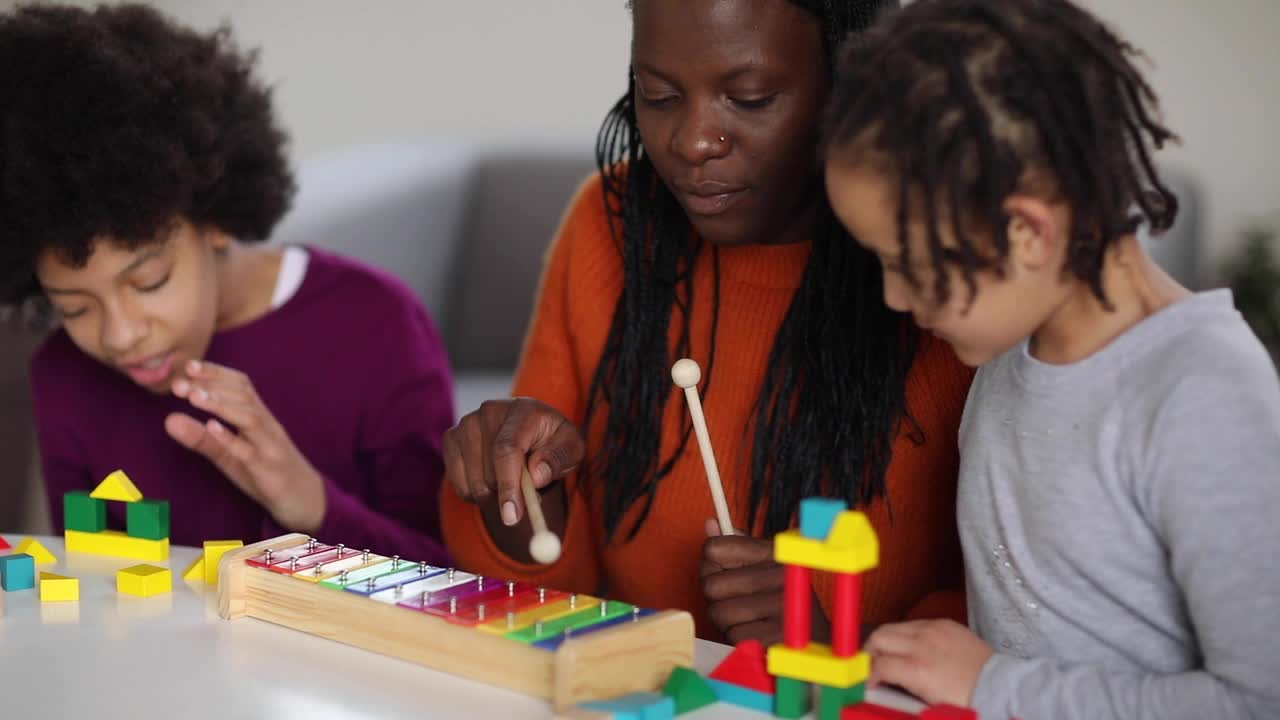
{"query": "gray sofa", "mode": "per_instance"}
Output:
(466, 227)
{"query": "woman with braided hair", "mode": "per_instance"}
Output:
(706, 234)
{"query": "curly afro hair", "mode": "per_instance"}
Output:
(115, 122)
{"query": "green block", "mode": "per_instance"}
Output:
(689, 690)
(83, 513)
(831, 701)
(148, 519)
(792, 698)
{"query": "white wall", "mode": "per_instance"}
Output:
(352, 72)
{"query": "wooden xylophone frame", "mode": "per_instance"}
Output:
(629, 657)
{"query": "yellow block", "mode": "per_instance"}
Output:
(816, 664)
(117, 544)
(195, 572)
(32, 547)
(213, 551)
(850, 547)
(544, 612)
(117, 486)
(144, 580)
(56, 588)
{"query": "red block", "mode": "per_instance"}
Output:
(948, 712)
(4, 545)
(797, 606)
(746, 667)
(871, 711)
(846, 621)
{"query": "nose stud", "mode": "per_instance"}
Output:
(721, 138)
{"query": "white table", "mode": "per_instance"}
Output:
(171, 656)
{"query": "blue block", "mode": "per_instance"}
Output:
(741, 696)
(17, 572)
(637, 706)
(817, 515)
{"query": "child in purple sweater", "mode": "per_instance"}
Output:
(259, 389)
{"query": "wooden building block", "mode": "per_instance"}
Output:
(948, 712)
(817, 515)
(148, 519)
(57, 588)
(117, 486)
(688, 689)
(793, 699)
(39, 552)
(746, 667)
(637, 706)
(117, 544)
(17, 572)
(741, 696)
(3, 545)
(144, 580)
(213, 552)
(851, 546)
(832, 701)
(195, 571)
(83, 513)
(871, 711)
(817, 664)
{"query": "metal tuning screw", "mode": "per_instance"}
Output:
(537, 629)
(395, 561)
(451, 573)
(319, 567)
(312, 543)
(573, 601)
(511, 620)
(542, 595)
(341, 548)
(604, 608)
(511, 589)
(479, 581)
(366, 555)
(293, 564)
(480, 612)
(425, 600)
(369, 585)
(453, 605)
(342, 578)
(635, 614)
(268, 557)
(422, 568)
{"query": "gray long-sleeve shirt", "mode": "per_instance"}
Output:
(1120, 518)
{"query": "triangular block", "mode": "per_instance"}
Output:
(689, 690)
(32, 547)
(746, 667)
(871, 711)
(117, 486)
(636, 706)
(213, 552)
(4, 545)
(195, 572)
(948, 712)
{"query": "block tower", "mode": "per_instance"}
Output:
(147, 521)
(835, 539)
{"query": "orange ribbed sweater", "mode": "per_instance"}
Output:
(920, 572)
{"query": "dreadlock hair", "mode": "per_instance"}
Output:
(964, 102)
(115, 121)
(833, 395)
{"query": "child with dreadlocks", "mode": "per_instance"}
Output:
(1119, 449)
(707, 234)
(140, 167)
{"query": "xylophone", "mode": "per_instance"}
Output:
(560, 646)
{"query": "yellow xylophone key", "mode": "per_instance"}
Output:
(514, 621)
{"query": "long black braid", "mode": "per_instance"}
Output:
(832, 398)
(967, 99)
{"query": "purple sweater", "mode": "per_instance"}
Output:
(351, 366)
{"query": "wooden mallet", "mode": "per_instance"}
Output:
(544, 546)
(687, 375)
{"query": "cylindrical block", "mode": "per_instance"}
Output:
(846, 621)
(797, 608)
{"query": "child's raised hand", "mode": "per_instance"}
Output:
(258, 456)
(936, 660)
(743, 586)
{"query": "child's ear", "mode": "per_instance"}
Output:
(1037, 235)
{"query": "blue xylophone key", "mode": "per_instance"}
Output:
(390, 580)
(439, 581)
(554, 642)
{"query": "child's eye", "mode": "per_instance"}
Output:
(66, 314)
(154, 286)
(759, 103)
